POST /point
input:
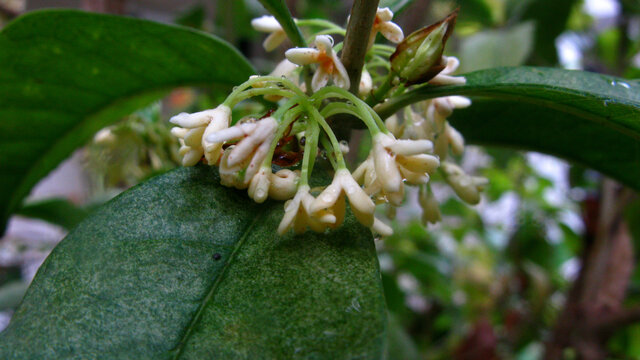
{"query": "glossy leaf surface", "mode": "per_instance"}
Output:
(181, 267)
(66, 74)
(590, 118)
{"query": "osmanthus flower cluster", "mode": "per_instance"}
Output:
(298, 127)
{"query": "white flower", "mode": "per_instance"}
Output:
(255, 140)
(231, 175)
(393, 158)
(269, 24)
(329, 66)
(366, 83)
(259, 185)
(193, 131)
(445, 135)
(430, 209)
(382, 23)
(466, 187)
(381, 228)
(444, 77)
(298, 216)
(392, 125)
(366, 175)
(104, 137)
(283, 184)
(332, 199)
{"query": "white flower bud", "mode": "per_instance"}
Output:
(430, 209)
(220, 119)
(283, 184)
(259, 185)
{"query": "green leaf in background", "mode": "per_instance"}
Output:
(181, 267)
(551, 18)
(279, 9)
(474, 11)
(56, 211)
(586, 117)
(11, 294)
(494, 48)
(66, 74)
(397, 6)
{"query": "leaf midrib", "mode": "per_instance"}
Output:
(179, 349)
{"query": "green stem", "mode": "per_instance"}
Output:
(231, 98)
(289, 117)
(366, 114)
(247, 94)
(310, 148)
(327, 129)
(356, 41)
(338, 108)
(324, 140)
(382, 91)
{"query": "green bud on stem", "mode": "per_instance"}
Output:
(419, 57)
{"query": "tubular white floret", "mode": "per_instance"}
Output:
(383, 24)
(193, 132)
(430, 209)
(283, 184)
(466, 187)
(269, 24)
(297, 214)
(444, 77)
(332, 199)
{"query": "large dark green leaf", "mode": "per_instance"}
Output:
(181, 267)
(66, 74)
(590, 118)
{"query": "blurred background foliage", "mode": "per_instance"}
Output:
(489, 281)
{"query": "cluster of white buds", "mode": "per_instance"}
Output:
(401, 154)
(192, 130)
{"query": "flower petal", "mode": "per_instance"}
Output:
(320, 79)
(455, 139)
(194, 120)
(324, 43)
(193, 137)
(381, 228)
(192, 157)
(266, 23)
(327, 198)
(283, 184)
(391, 31)
(386, 169)
(340, 75)
(302, 56)
(422, 163)
(384, 14)
(274, 40)
(291, 210)
(411, 147)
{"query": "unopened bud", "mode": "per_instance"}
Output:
(419, 57)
